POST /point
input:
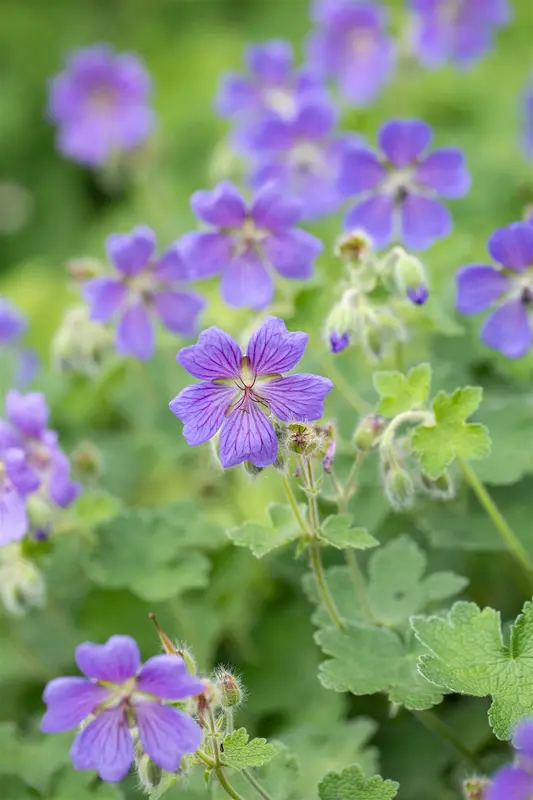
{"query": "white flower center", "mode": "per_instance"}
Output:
(281, 101)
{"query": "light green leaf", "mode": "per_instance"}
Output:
(450, 436)
(261, 538)
(34, 759)
(240, 753)
(336, 530)
(368, 660)
(279, 777)
(351, 784)
(400, 392)
(72, 784)
(93, 507)
(467, 655)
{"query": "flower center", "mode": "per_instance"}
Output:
(449, 11)
(281, 101)
(398, 181)
(141, 285)
(361, 42)
(306, 157)
(101, 100)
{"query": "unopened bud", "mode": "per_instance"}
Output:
(22, 586)
(368, 432)
(411, 278)
(40, 513)
(419, 295)
(87, 460)
(230, 688)
(251, 469)
(338, 342)
(354, 246)
(476, 788)
(329, 455)
(440, 488)
(80, 344)
(399, 487)
(303, 439)
(339, 323)
(81, 269)
(380, 328)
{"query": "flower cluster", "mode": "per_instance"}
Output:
(13, 325)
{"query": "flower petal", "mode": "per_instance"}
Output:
(12, 321)
(361, 170)
(70, 701)
(235, 94)
(166, 676)
(105, 296)
(510, 783)
(171, 265)
(106, 745)
(507, 329)
(512, 246)
(273, 210)
(296, 397)
(202, 408)
(478, 287)
(131, 252)
(270, 61)
(166, 734)
(28, 366)
(247, 435)
(216, 355)
(363, 75)
(404, 140)
(63, 491)
(374, 216)
(292, 253)
(24, 477)
(423, 221)
(27, 412)
(206, 254)
(315, 120)
(116, 661)
(223, 206)
(135, 333)
(13, 517)
(272, 348)
(246, 282)
(444, 171)
(523, 738)
(178, 311)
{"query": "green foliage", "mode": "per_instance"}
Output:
(350, 784)
(280, 777)
(468, 655)
(400, 392)
(337, 531)
(450, 436)
(33, 759)
(239, 752)
(261, 538)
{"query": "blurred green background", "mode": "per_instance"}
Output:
(232, 607)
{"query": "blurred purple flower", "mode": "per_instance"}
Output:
(510, 288)
(238, 392)
(456, 30)
(338, 342)
(302, 157)
(351, 44)
(527, 124)
(515, 782)
(100, 104)
(13, 323)
(248, 243)
(418, 295)
(273, 87)
(116, 690)
(17, 480)
(400, 187)
(144, 287)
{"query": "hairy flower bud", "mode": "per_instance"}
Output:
(21, 584)
(442, 488)
(80, 344)
(476, 788)
(40, 512)
(354, 246)
(87, 460)
(399, 487)
(411, 278)
(229, 687)
(81, 269)
(251, 469)
(339, 323)
(379, 328)
(368, 432)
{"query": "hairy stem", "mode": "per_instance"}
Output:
(263, 794)
(226, 785)
(432, 722)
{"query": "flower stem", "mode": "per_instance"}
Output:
(257, 786)
(294, 505)
(226, 785)
(432, 722)
(500, 523)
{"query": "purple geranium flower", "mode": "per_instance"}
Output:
(17, 480)
(456, 30)
(515, 782)
(400, 188)
(238, 392)
(479, 286)
(351, 44)
(247, 243)
(117, 694)
(302, 157)
(273, 87)
(100, 104)
(13, 323)
(145, 286)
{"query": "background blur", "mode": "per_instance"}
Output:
(243, 612)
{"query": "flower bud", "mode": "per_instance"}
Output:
(87, 460)
(399, 487)
(440, 488)
(329, 455)
(411, 278)
(379, 329)
(338, 342)
(80, 344)
(21, 584)
(303, 439)
(368, 432)
(40, 512)
(251, 469)
(354, 246)
(476, 788)
(81, 269)
(230, 688)
(339, 324)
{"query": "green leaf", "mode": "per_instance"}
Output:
(34, 759)
(336, 530)
(368, 660)
(401, 392)
(450, 436)
(467, 655)
(240, 753)
(93, 507)
(280, 777)
(261, 538)
(351, 784)
(72, 784)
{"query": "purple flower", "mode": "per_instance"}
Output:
(238, 392)
(12, 322)
(418, 295)
(17, 480)
(273, 87)
(117, 694)
(456, 30)
(338, 342)
(100, 104)
(510, 288)
(515, 782)
(247, 243)
(399, 189)
(144, 287)
(527, 124)
(302, 157)
(352, 45)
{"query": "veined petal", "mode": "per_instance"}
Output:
(106, 745)
(202, 408)
(444, 171)
(510, 783)
(178, 311)
(216, 355)
(166, 676)
(404, 140)
(374, 216)
(272, 348)
(131, 252)
(13, 517)
(246, 282)
(424, 220)
(206, 253)
(508, 330)
(292, 253)
(166, 734)
(116, 661)
(512, 246)
(223, 206)
(247, 435)
(28, 412)
(70, 701)
(105, 296)
(135, 333)
(273, 210)
(360, 171)
(478, 287)
(296, 398)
